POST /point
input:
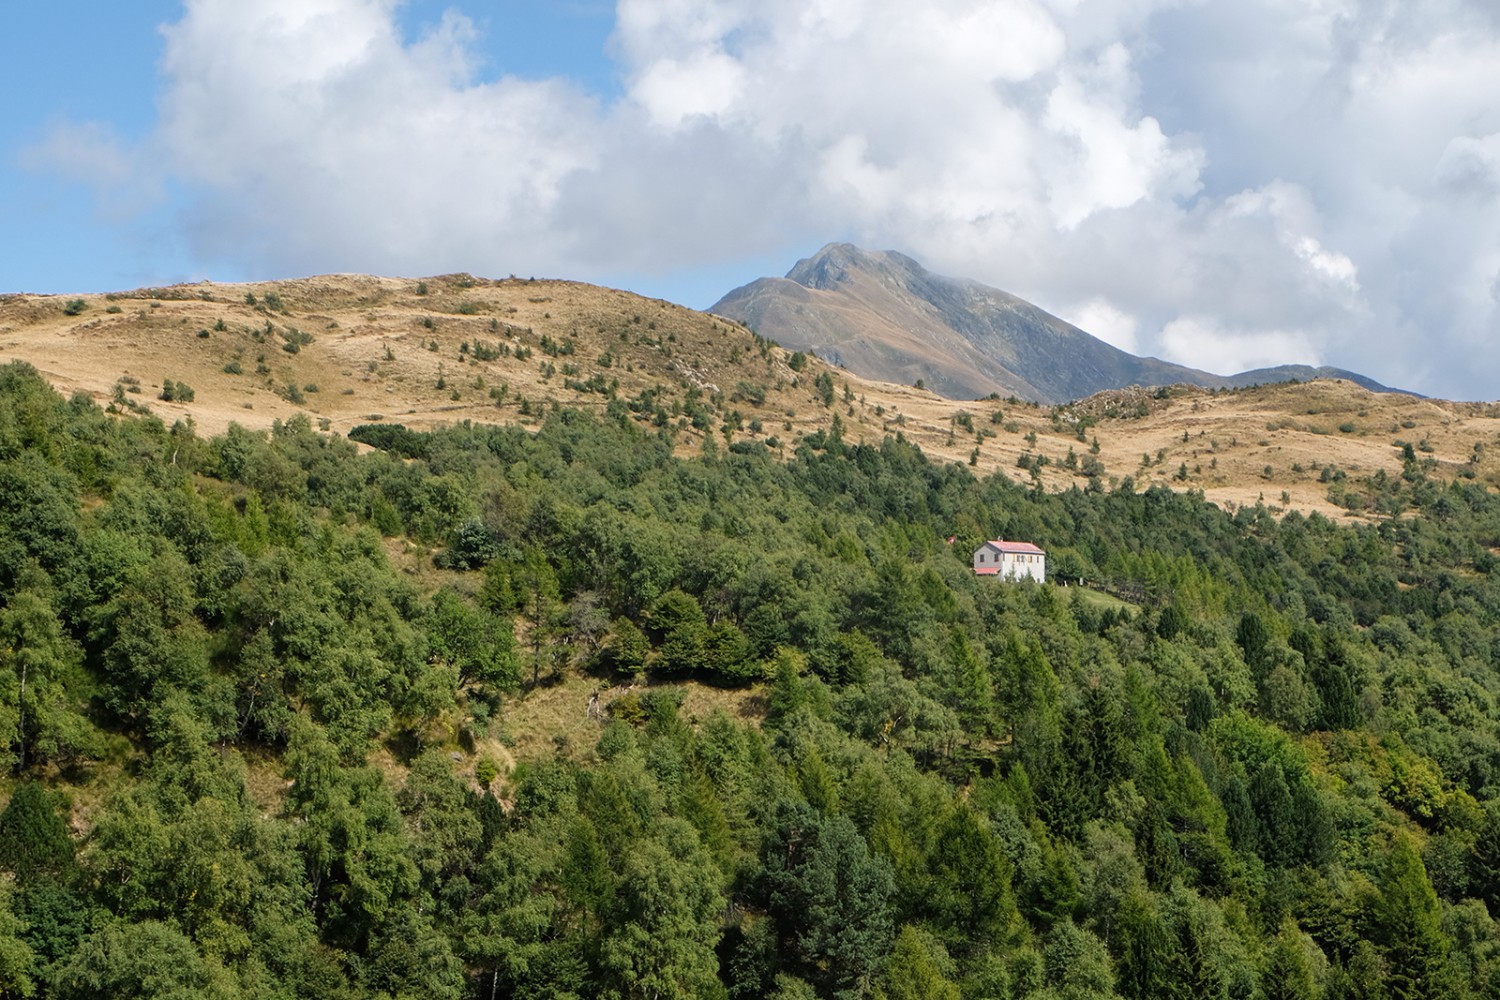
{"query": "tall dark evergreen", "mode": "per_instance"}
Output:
(34, 840)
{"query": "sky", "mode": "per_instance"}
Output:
(1221, 183)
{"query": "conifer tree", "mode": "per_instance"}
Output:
(1408, 922)
(34, 839)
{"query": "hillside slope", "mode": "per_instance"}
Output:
(436, 351)
(515, 714)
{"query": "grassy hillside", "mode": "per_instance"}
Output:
(365, 353)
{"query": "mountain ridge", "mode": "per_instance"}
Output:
(882, 315)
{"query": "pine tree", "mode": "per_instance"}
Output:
(1286, 970)
(1408, 921)
(917, 970)
(1146, 965)
(33, 837)
(970, 897)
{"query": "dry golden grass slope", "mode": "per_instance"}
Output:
(409, 351)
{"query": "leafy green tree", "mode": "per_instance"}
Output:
(1146, 965)
(1049, 885)
(536, 588)
(479, 645)
(1338, 689)
(1034, 708)
(970, 691)
(1484, 863)
(42, 687)
(141, 961)
(765, 628)
(154, 640)
(514, 933)
(16, 956)
(587, 880)
(681, 631)
(660, 935)
(700, 806)
(444, 826)
(1254, 639)
(897, 611)
(352, 837)
(726, 653)
(1276, 817)
(408, 957)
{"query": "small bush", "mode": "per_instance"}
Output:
(74, 307)
(486, 771)
(176, 392)
(295, 340)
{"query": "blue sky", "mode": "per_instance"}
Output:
(99, 64)
(1223, 185)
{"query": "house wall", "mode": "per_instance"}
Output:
(1012, 565)
(1024, 567)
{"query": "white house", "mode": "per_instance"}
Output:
(1012, 560)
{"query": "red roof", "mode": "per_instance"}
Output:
(1015, 547)
(988, 571)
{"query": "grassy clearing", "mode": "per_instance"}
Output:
(1099, 600)
(554, 717)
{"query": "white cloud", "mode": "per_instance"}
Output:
(673, 91)
(1201, 342)
(1470, 166)
(1109, 161)
(1108, 323)
(1214, 182)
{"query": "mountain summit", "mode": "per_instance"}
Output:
(883, 315)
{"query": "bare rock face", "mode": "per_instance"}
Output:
(884, 316)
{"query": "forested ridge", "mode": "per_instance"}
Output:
(245, 749)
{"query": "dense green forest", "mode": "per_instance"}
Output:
(1275, 773)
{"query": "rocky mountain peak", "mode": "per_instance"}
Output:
(887, 317)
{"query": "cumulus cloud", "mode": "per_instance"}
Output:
(1221, 184)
